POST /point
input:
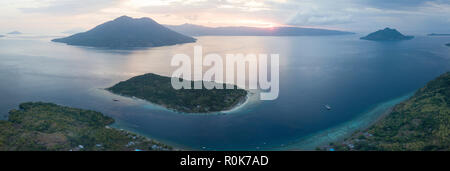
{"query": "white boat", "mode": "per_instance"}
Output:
(328, 107)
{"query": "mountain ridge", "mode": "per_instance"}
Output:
(198, 30)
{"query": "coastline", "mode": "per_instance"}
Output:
(77, 129)
(121, 126)
(236, 108)
(344, 130)
(232, 109)
(118, 124)
(307, 143)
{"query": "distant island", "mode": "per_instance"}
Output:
(50, 127)
(418, 124)
(158, 89)
(196, 30)
(448, 44)
(436, 34)
(387, 34)
(15, 32)
(2, 36)
(126, 32)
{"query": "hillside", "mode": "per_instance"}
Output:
(421, 123)
(387, 34)
(126, 32)
(49, 127)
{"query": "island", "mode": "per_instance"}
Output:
(387, 34)
(438, 34)
(419, 124)
(197, 30)
(38, 126)
(448, 44)
(126, 32)
(2, 36)
(15, 32)
(158, 90)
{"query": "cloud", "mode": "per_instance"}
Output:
(352, 15)
(203, 5)
(319, 19)
(211, 12)
(70, 7)
(399, 4)
(367, 15)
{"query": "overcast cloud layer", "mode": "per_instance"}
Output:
(49, 16)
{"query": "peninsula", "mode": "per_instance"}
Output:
(197, 30)
(49, 127)
(418, 124)
(387, 34)
(126, 32)
(438, 34)
(158, 89)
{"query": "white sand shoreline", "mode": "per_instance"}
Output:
(234, 109)
(240, 105)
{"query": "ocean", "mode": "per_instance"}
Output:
(359, 79)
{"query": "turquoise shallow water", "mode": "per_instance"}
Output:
(343, 130)
(358, 79)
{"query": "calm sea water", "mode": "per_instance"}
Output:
(355, 77)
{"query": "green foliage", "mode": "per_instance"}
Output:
(158, 89)
(45, 126)
(421, 123)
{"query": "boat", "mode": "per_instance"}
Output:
(328, 107)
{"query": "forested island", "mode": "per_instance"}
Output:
(126, 32)
(418, 124)
(387, 34)
(158, 89)
(50, 127)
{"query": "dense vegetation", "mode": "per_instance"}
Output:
(45, 126)
(387, 35)
(421, 123)
(158, 89)
(126, 32)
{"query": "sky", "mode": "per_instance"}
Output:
(56, 16)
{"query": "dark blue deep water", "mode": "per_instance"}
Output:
(351, 75)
